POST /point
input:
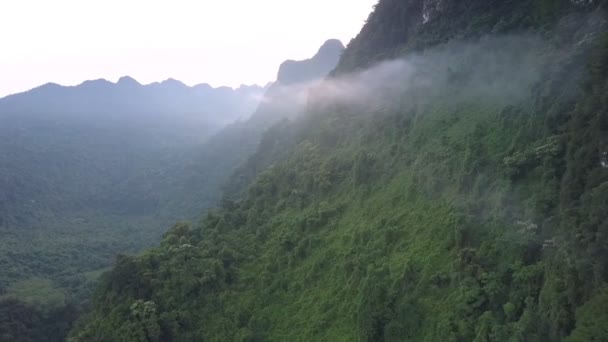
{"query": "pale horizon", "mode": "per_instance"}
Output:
(219, 43)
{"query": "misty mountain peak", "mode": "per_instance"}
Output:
(171, 82)
(128, 81)
(319, 66)
(331, 48)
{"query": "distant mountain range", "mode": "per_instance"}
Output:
(220, 167)
(99, 169)
(61, 136)
(98, 145)
(200, 108)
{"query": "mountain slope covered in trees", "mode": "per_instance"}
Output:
(85, 172)
(447, 183)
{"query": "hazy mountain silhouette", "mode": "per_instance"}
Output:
(86, 141)
(204, 107)
(85, 171)
(326, 59)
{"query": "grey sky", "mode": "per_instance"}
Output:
(218, 42)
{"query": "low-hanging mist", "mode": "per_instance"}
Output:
(493, 68)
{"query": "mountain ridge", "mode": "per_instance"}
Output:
(130, 81)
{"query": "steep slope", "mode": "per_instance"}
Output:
(457, 193)
(325, 60)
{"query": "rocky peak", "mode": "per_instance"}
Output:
(330, 49)
(324, 61)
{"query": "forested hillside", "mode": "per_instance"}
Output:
(85, 173)
(449, 182)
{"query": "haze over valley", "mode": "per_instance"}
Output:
(440, 176)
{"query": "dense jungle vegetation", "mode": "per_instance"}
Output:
(447, 182)
(474, 212)
(463, 200)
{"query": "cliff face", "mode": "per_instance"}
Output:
(449, 185)
(325, 60)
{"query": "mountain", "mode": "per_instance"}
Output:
(104, 147)
(101, 145)
(324, 61)
(86, 174)
(448, 182)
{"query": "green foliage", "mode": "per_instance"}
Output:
(591, 319)
(455, 219)
(38, 292)
(24, 322)
(83, 177)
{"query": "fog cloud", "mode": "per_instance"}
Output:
(497, 69)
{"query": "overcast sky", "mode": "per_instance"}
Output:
(218, 42)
